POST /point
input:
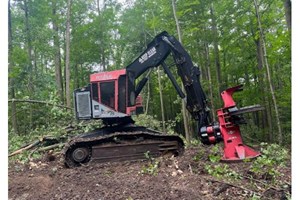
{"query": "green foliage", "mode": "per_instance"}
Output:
(58, 113)
(147, 121)
(215, 154)
(217, 169)
(221, 170)
(253, 132)
(16, 142)
(150, 122)
(273, 156)
(255, 197)
(195, 142)
(170, 126)
(151, 167)
(200, 155)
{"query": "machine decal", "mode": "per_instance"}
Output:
(147, 55)
(103, 76)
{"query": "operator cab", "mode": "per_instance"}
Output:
(109, 95)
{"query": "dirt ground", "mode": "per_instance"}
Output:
(182, 177)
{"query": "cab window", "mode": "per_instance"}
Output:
(107, 93)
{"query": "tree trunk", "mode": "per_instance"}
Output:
(269, 117)
(11, 80)
(267, 121)
(35, 70)
(288, 13)
(259, 53)
(266, 115)
(201, 59)
(29, 54)
(98, 6)
(268, 74)
(148, 97)
(76, 78)
(29, 45)
(82, 74)
(102, 59)
(183, 111)
(160, 92)
(14, 109)
(68, 97)
(216, 47)
(161, 100)
(207, 59)
(57, 59)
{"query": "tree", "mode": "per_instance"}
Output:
(11, 80)
(29, 54)
(184, 111)
(216, 47)
(268, 72)
(68, 97)
(288, 13)
(57, 55)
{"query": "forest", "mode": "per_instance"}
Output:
(54, 46)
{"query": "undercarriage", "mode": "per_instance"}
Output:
(120, 143)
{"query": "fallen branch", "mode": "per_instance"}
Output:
(51, 147)
(37, 101)
(232, 185)
(190, 168)
(258, 181)
(35, 143)
(52, 139)
(223, 188)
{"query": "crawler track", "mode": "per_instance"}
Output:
(121, 144)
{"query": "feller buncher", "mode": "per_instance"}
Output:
(114, 97)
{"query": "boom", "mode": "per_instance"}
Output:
(156, 53)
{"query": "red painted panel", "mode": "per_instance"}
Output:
(227, 96)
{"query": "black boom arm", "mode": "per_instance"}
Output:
(156, 53)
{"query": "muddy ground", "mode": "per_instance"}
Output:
(183, 177)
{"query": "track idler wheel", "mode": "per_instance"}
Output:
(77, 156)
